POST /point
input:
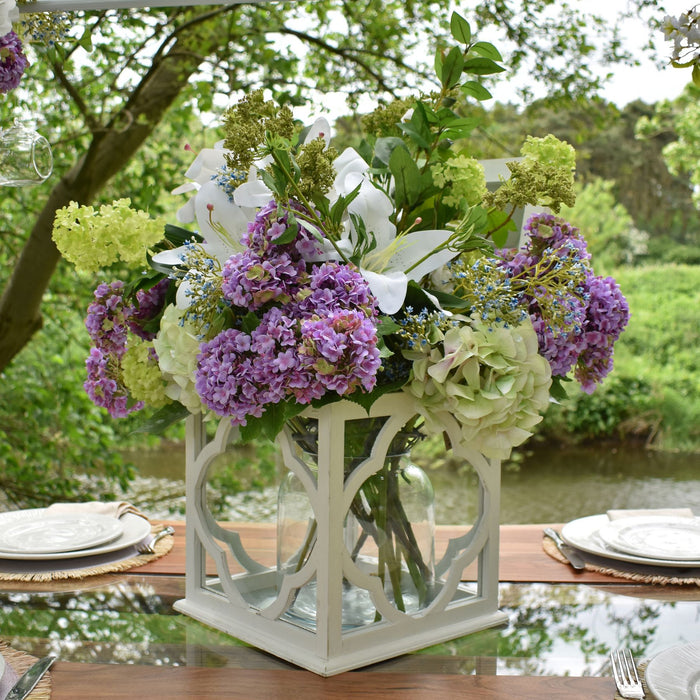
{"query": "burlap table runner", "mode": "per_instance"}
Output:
(20, 662)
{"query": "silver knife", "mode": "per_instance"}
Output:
(567, 551)
(28, 681)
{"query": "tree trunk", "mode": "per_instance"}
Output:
(109, 151)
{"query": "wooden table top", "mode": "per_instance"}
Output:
(242, 673)
(522, 559)
(72, 681)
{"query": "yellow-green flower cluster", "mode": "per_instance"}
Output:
(464, 180)
(544, 177)
(141, 374)
(94, 239)
(491, 379)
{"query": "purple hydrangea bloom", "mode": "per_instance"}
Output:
(342, 349)
(223, 377)
(606, 317)
(149, 303)
(269, 225)
(336, 286)
(13, 62)
(108, 318)
(104, 387)
(250, 281)
(550, 231)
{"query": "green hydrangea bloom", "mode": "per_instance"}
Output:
(141, 374)
(491, 380)
(94, 239)
(544, 177)
(463, 180)
(177, 346)
(550, 151)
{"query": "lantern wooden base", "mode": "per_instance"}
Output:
(252, 601)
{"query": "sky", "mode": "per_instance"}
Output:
(647, 81)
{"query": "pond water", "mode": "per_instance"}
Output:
(551, 484)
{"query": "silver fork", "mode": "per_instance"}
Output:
(626, 676)
(149, 547)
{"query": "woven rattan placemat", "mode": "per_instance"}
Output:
(39, 572)
(659, 575)
(21, 662)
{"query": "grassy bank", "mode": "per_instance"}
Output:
(653, 393)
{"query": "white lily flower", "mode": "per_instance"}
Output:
(387, 268)
(220, 221)
(9, 13)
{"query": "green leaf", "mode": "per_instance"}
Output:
(460, 128)
(270, 424)
(476, 90)
(449, 301)
(384, 147)
(387, 326)
(438, 65)
(250, 322)
(407, 178)
(487, 50)
(696, 74)
(452, 68)
(85, 40)
(418, 128)
(289, 233)
(482, 66)
(500, 227)
(460, 29)
(163, 418)
(179, 236)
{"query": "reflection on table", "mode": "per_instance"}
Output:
(559, 624)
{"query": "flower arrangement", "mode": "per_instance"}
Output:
(684, 32)
(315, 276)
(40, 28)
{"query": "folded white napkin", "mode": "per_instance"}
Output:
(8, 679)
(673, 512)
(115, 509)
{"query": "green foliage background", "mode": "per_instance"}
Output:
(52, 437)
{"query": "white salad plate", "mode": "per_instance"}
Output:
(64, 532)
(134, 529)
(584, 534)
(657, 537)
(674, 674)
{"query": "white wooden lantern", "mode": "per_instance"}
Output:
(251, 601)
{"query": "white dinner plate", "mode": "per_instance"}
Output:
(674, 674)
(583, 534)
(134, 529)
(657, 537)
(44, 533)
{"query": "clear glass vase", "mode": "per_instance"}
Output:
(389, 530)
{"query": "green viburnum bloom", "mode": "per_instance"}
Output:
(177, 346)
(141, 374)
(93, 240)
(544, 177)
(463, 178)
(492, 380)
